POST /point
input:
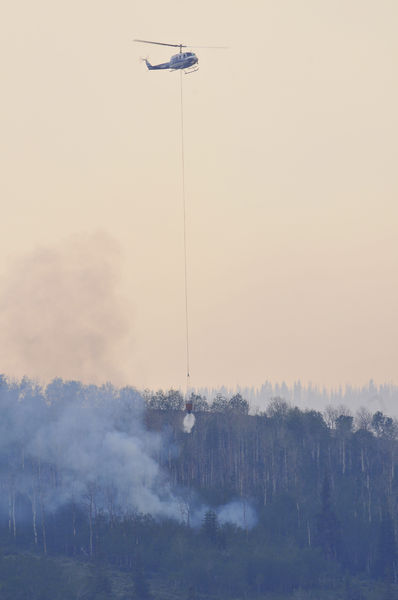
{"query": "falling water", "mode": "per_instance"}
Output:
(189, 422)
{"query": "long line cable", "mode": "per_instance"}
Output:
(185, 236)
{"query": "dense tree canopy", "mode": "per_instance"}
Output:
(323, 488)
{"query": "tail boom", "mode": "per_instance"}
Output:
(156, 67)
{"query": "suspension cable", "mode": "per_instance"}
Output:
(185, 238)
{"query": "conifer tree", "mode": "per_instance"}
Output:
(210, 525)
(328, 525)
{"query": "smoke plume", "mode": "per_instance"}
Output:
(94, 440)
(61, 314)
(87, 445)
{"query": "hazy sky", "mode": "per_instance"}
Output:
(291, 174)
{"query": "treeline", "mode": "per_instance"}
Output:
(375, 396)
(325, 480)
(173, 400)
(324, 487)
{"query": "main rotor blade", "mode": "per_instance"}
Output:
(161, 43)
(214, 47)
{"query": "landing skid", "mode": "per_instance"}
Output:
(191, 69)
(186, 71)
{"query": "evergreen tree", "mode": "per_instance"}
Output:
(210, 525)
(328, 525)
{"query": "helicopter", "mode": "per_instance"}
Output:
(185, 61)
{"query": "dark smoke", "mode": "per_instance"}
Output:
(61, 314)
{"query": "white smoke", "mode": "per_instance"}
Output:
(189, 422)
(95, 441)
(61, 315)
(89, 444)
(239, 512)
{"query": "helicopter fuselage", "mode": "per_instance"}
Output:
(182, 60)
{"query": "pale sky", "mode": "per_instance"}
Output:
(291, 177)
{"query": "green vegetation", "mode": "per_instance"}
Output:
(324, 488)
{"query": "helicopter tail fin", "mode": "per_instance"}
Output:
(148, 64)
(155, 67)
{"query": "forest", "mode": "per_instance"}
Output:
(104, 495)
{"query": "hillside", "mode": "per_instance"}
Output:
(285, 504)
